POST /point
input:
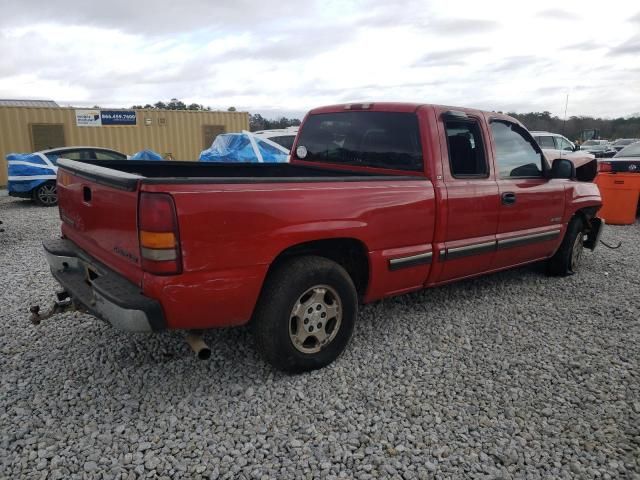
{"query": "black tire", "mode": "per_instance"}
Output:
(274, 319)
(566, 260)
(46, 195)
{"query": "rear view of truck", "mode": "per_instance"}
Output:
(112, 235)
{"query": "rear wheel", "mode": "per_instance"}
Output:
(46, 195)
(306, 314)
(567, 259)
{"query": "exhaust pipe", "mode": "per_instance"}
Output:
(201, 349)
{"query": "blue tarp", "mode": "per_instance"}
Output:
(243, 147)
(146, 155)
(27, 171)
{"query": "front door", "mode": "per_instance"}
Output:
(531, 206)
(472, 205)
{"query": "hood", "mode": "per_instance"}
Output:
(586, 164)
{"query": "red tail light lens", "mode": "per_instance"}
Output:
(158, 234)
(604, 167)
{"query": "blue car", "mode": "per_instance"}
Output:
(33, 175)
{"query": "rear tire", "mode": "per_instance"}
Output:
(305, 315)
(46, 195)
(566, 260)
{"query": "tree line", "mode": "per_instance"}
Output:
(572, 128)
(256, 121)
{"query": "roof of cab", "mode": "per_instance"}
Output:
(407, 107)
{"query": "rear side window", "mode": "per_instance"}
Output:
(77, 155)
(105, 155)
(516, 152)
(368, 139)
(466, 153)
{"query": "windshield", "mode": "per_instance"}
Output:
(369, 139)
(598, 147)
(588, 143)
(632, 150)
(624, 141)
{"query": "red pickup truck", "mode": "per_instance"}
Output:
(379, 199)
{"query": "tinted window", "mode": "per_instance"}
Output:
(77, 155)
(105, 155)
(546, 142)
(516, 154)
(285, 141)
(466, 154)
(371, 139)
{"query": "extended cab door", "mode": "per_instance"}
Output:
(531, 206)
(472, 205)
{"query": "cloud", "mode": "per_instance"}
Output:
(461, 26)
(557, 14)
(453, 56)
(584, 46)
(517, 62)
(151, 16)
(291, 56)
(630, 47)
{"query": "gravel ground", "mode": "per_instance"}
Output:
(515, 375)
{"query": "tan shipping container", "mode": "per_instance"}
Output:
(178, 133)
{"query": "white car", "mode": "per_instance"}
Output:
(282, 136)
(555, 146)
(554, 141)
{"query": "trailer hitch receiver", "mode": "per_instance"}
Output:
(64, 303)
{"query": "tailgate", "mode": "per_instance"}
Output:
(98, 208)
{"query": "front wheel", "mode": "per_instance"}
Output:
(567, 259)
(306, 314)
(46, 195)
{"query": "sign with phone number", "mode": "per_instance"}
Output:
(98, 118)
(118, 117)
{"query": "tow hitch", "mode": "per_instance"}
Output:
(64, 303)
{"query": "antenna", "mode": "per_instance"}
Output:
(566, 104)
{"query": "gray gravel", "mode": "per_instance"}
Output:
(515, 375)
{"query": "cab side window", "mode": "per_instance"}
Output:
(466, 152)
(545, 142)
(517, 154)
(562, 144)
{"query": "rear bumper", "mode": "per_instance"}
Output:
(101, 291)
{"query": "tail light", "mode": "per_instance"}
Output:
(158, 234)
(604, 167)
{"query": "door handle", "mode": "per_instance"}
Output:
(508, 198)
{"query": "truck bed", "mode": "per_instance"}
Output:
(127, 173)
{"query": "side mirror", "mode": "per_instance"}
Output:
(576, 148)
(563, 168)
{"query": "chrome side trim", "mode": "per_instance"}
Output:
(528, 239)
(469, 250)
(412, 261)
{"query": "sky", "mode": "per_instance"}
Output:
(284, 57)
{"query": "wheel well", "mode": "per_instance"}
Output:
(586, 214)
(350, 253)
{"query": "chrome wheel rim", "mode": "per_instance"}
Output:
(47, 194)
(576, 251)
(315, 319)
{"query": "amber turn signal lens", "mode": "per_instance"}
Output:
(157, 239)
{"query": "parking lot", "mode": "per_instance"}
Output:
(515, 375)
